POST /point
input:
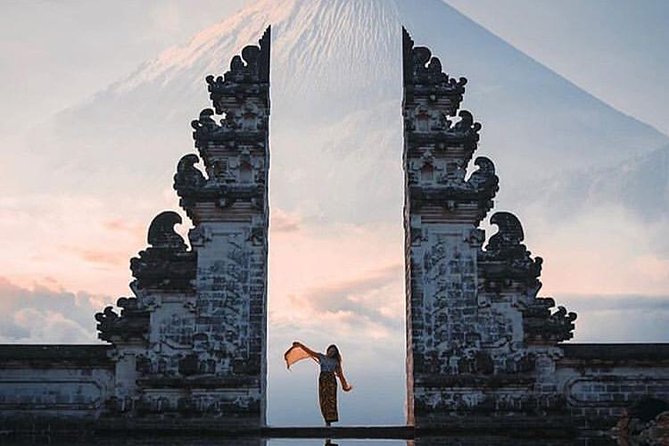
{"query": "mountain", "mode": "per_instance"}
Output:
(336, 94)
(639, 184)
(336, 174)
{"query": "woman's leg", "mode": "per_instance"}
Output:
(327, 395)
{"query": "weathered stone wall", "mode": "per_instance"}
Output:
(191, 341)
(190, 345)
(203, 351)
(480, 341)
(601, 381)
(65, 381)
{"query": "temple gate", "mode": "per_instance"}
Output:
(191, 344)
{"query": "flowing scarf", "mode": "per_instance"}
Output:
(297, 353)
(294, 354)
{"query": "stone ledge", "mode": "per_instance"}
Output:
(232, 427)
(657, 354)
(200, 382)
(478, 381)
(85, 355)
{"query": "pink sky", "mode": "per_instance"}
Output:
(336, 237)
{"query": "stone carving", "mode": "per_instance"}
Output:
(506, 259)
(473, 312)
(188, 177)
(131, 325)
(189, 182)
(107, 320)
(248, 76)
(437, 149)
(509, 236)
(234, 148)
(466, 125)
(162, 234)
(205, 126)
(541, 326)
(484, 179)
(423, 74)
(165, 264)
(464, 133)
(238, 125)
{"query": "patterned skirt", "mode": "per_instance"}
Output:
(327, 396)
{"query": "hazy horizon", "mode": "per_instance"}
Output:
(98, 104)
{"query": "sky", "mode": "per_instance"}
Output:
(612, 48)
(66, 254)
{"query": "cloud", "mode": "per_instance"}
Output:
(44, 315)
(107, 258)
(606, 250)
(284, 221)
(123, 225)
(348, 276)
(81, 241)
(363, 300)
(619, 318)
(622, 302)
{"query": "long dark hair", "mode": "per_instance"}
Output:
(337, 355)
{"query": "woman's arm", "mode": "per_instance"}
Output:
(311, 353)
(344, 384)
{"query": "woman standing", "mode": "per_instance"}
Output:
(331, 369)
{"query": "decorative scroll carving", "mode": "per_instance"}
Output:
(165, 264)
(248, 75)
(205, 124)
(466, 125)
(188, 177)
(241, 125)
(484, 179)
(505, 258)
(189, 182)
(542, 326)
(507, 240)
(233, 149)
(162, 234)
(423, 76)
(131, 325)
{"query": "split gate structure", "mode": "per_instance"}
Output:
(480, 343)
(190, 345)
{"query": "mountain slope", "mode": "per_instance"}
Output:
(640, 184)
(336, 75)
(336, 175)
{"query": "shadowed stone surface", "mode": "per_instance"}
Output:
(480, 341)
(191, 341)
(187, 351)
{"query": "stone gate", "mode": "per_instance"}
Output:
(480, 341)
(191, 341)
(190, 344)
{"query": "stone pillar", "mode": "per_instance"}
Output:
(229, 207)
(193, 339)
(474, 323)
(442, 212)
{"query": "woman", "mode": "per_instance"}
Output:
(331, 369)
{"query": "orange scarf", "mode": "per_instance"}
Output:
(297, 353)
(294, 354)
